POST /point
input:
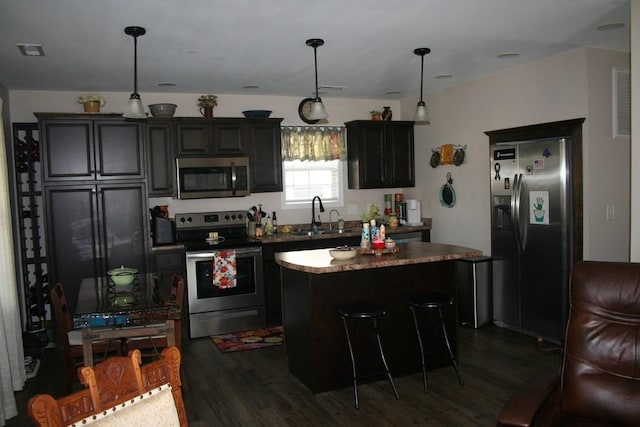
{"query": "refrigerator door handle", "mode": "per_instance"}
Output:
(515, 208)
(522, 227)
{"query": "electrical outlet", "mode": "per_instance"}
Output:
(610, 214)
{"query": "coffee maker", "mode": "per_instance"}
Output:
(413, 212)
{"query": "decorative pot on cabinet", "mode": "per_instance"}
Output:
(91, 107)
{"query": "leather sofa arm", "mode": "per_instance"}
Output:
(524, 406)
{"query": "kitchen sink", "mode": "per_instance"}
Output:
(320, 232)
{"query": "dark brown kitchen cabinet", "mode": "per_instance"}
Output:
(257, 139)
(161, 165)
(77, 148)
(94, 227)
(380, 154)
(196, 137)
(265, 155)
(193, 137)
(272, 288)
(229, 137)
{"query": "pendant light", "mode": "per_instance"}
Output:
(422, 115)
(318, 111)
(134, 108)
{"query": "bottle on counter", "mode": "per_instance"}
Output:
(383, 232)
(268, 229)
(275, 222)
(365, 241)
(374, 230)
(340, 224)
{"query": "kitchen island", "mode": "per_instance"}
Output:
(314, 285)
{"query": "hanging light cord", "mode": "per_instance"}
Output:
(421, 77)
(315, 60)
(422, 51)
(135, 64)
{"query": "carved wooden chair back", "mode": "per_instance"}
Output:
(119, 391)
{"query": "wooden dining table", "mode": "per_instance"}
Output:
(105, 311)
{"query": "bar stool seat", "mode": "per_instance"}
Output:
(428, 301)
(358, 311)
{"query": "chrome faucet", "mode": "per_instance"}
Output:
(315, 224)
(331, 222)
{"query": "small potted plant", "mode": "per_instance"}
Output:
(92, 102)
(375, 115)
(207, 103)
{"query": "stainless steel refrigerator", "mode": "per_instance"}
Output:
(531, 235)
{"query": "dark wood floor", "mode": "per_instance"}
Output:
(255, 388)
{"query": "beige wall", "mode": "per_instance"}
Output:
(571, 85)
(566, 86)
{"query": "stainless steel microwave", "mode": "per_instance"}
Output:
(205, 177)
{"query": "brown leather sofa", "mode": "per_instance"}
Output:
(600, 380)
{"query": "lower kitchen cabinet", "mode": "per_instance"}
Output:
(166, 263)
(272, 287)
(92, 228)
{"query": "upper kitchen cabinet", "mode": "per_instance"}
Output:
(161, 165)
(196, 137)
(229, 137)
(380, 154)
(265, 155)
(77, 147)
(193, 137)
(257, 139)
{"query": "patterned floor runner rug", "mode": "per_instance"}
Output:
(248, 340)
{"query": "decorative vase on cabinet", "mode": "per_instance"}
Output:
(91, 107)
(386, 113)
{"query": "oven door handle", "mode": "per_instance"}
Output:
(239, 253)
(234, 178)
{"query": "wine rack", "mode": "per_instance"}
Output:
(30, 223)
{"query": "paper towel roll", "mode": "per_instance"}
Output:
(412, 204)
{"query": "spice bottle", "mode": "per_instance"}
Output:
(382, 232)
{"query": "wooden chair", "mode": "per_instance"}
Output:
(149, 346)
(71, 340)
(119, 392)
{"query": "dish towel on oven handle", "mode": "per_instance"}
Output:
(224, 269)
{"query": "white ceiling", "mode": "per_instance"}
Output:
(219, 46)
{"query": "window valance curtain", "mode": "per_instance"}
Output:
(315, 143)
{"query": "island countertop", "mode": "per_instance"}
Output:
(319, 261)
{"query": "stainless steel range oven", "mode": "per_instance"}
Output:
(215, 309)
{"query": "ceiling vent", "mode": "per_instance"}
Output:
(621, 102)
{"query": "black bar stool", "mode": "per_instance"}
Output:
(358, 311)
(431, 300)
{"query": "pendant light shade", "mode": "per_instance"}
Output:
(318, 112)
(134, 108)
(422, 115)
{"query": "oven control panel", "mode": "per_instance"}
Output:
(210, 220)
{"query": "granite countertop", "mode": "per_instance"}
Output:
(318, 261)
